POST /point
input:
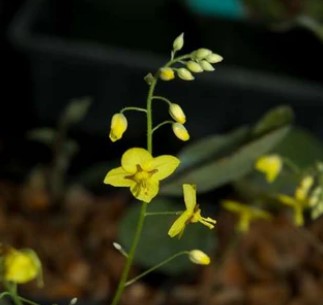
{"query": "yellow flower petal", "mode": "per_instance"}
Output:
(145, 192)
(179, 224)
(303, 189)
(189, 196)
(119, 125)
(288, 200)
(270, 165)
(233, 206)
(164, 165)
(133, 157)
(117, 177)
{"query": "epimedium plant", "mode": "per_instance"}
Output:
(142, 172)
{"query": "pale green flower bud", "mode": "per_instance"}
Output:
(177, 113)
(119, 125)
(166, 74)
(178, 42)
(194, 67)
(185, 74)
(199, 257)
(206, 66)
(201, 53)
(180, 131)
(214, 58)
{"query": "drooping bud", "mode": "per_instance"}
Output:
(119, 125)
(177, 113)
(199, 257)
(21, 266)
(184, 74)
(214, 58)
(178, 42)
(201, 53)
(206, 66)
(166, 74)
(194, 67)
(180, 131)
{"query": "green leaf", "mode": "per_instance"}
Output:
(44, 135)
(277, 117)
(155, 245)
(219, 171)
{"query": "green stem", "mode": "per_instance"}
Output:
(156, 267)
(292, 166)
(161, 124)
(12, 290)
(133, 109)
(162, 99)
(28, 301)
(126, 269)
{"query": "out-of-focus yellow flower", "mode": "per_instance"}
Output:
(180, 131)
(177, 113)
(141, 172)
(119, 125)
(192, 213)
(21, 266)
(300, 201)
(270, 165)
(184, 74)
(178, 42)
(194, 67)
(246, 213)
(199, 257)
(166, 73)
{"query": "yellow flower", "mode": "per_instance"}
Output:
(180, 131)
(21, 266)
(141, 172)
(166, 74)
(192, 213)
(199, 257)
(270, 165)
(119, 125)
(177, 113)
(301, 199)
(246, 213)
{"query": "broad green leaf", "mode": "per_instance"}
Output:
(277, 117)
(155, 245)
(219, 171)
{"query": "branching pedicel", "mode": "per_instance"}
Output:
(142, 172)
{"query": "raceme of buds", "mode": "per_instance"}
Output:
(180, 131)
(184, 74)
(194, 67)
(119, 125)
(166, 74)
(177, 113)
(178, 42)
(199, 257)
(206, 66)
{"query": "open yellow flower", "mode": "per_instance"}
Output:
(301, 199)
(246, 213)
(141, 172)
(192, 213)
(270, 165)
(21, 266)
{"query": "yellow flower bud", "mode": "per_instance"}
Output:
(177, 113)
(180, 131)
(194, 67)
(201, 53)
(166, 74)
(199, 257)
(178, 42)
(21, 266)
(214, 58)
(119, 125)
(206, 66)
(185, 74)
